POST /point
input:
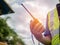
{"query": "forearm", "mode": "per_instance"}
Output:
(45, 40)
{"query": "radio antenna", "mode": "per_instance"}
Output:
(28, 11)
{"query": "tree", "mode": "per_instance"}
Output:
(8, 35)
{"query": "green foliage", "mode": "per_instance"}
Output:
(7, 34)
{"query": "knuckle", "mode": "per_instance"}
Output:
(35, 26)
(40, 28)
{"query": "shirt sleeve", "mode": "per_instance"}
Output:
(47, 32)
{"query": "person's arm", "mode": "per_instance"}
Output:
(37, 29)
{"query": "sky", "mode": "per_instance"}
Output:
(20, 20)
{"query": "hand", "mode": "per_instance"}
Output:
(36, 27)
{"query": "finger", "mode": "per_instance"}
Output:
(31, 26)
(33, 23)
(36, 26)
(40, 29)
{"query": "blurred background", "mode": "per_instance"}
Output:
(20, 20)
